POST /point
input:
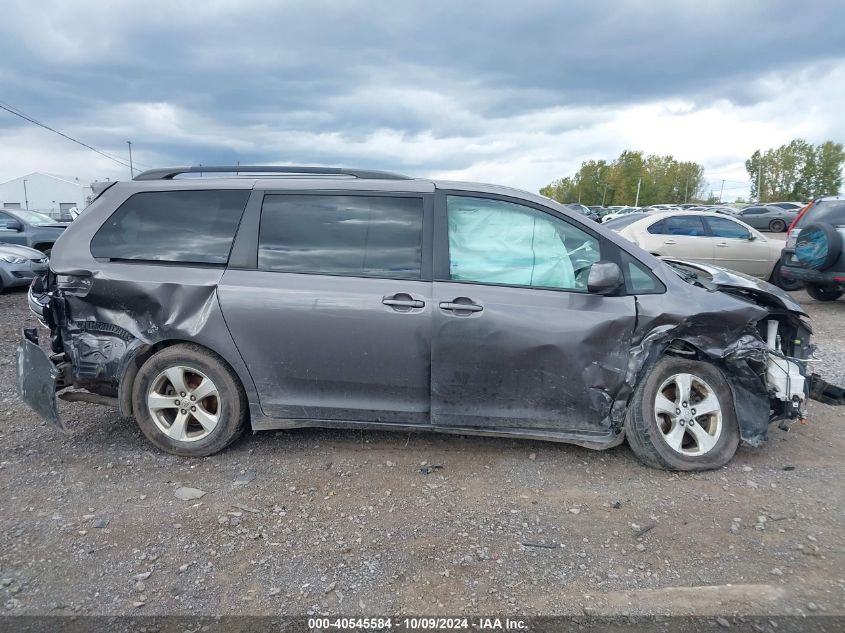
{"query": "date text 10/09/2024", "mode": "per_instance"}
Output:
(418, 624)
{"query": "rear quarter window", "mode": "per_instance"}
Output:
(173, 226)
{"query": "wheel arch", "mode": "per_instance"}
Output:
(134, 362)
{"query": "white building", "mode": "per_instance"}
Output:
(45, 193)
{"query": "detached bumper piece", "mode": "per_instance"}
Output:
(822, 391)
(37, 379)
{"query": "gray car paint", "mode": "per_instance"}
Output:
(43, 237)
(315, 350)
(23, 273)
(762, 221)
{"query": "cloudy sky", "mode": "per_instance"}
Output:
(515, 93)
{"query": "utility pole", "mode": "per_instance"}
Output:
(603, 194)
(637, 201)
(686, 191)
(760, 181)
(131, 169)
(25, 197)
(721, 191)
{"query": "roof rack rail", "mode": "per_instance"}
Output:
(366, 174)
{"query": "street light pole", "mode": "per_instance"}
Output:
(131, 169)
(637, 201)
(25, 197)
(721, 190)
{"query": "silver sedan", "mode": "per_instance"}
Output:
(19, 265)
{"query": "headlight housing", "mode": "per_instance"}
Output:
(12, 259)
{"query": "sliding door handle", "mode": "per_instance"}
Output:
(404, 303)
(460, 307)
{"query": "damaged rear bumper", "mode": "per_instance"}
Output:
(38, 379)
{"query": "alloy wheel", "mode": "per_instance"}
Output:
(688, 414)
(184, 403)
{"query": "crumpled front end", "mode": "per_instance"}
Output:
(754, 332)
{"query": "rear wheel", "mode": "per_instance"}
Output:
(682, 417)
(187, 401)
(777, 226)
(821, 293)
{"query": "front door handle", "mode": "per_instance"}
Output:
(722, 244)
(670, 242)
(402, 302)
(460, 307)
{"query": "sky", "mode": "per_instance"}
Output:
(513, 93)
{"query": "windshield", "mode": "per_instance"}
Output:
(31, 217)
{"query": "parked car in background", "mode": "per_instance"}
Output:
(361, 299)
(708, 238)
(583, 210)
(621, 211)
(788, 206)
(767, 218)
(29, 228)
(19, 265)
(814, 253)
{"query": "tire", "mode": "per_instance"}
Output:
(777, 226)
(782, 282)
(175, 429)
(648, 439)
(818, 245)
(2, 287)
(822, 293)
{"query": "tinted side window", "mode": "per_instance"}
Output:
(173, 226)
(368, 236)
(689, 225)
(753, 211)
(498, 242)
(3, 220)
(721, 227)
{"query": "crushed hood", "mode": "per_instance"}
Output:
(715, 278)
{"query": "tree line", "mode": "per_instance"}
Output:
(658, 178)
(795, 171)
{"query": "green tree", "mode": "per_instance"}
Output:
(660, 179)
(797, 170)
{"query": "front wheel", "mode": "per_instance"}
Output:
(188, 401)
(682, 417)
(820, 293)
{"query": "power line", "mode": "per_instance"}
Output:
(19, 113)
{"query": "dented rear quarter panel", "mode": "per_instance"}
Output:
(131, 306)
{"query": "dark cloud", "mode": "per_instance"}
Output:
(443, 68)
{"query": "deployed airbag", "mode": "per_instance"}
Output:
(499, 242)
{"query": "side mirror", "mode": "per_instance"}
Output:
(604, 278)
(14, 225)
(751, 237)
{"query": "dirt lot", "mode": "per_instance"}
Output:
(317, 521)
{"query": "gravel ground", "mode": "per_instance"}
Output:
(317, 521)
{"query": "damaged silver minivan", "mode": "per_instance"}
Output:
(204, 300)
